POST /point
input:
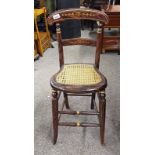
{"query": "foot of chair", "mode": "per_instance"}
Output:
(55, 115)
(102, 110)
(92, 100)
(66, 101)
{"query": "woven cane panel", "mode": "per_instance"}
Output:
(78, 74)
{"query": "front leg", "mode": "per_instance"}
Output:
(55, 115)
(102, 111)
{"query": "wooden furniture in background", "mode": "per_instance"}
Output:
(113, 11)
(36, 55)
(43, 38)
(78, 79)
(112, 42)
(93, 4)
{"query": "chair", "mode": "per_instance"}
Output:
(78, 79)
(36, 56)
(43, 38)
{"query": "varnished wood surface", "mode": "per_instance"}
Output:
(102, 106)
(112, 42)
(80, 112)
(43, 38)
(76, 90)
(82, 124)
(77, 14)
(112, 9)
(60, 45)
(78, 41)
(55, 116)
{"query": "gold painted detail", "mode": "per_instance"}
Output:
(78, 123)
(78, 112)
(79, 14)
(58, 29)
(102, 92)
(99, 30)
(99, 23)
(54, 93)
(78, 74)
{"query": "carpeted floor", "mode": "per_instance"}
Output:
(76, 141)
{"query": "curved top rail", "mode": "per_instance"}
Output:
(77, 14)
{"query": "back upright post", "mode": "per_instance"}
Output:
(99, 43)
(60, 46)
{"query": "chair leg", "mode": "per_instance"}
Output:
(66, 101)
(102, 111)
(55, 115)
(92, 100)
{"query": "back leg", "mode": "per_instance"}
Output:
(92, 100)
(66, 101)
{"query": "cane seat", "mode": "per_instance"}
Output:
(74, 77)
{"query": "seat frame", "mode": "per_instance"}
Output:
(72, 90)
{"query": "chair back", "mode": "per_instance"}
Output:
(79, 14)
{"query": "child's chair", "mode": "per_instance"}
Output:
(79, 79)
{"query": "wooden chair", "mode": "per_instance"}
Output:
(36, 55)
(43, 38)
(78, 79)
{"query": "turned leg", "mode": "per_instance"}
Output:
(102, 111)
(55, 115)
(92, 100)
(66, 101)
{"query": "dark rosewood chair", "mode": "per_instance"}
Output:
(79, 79)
